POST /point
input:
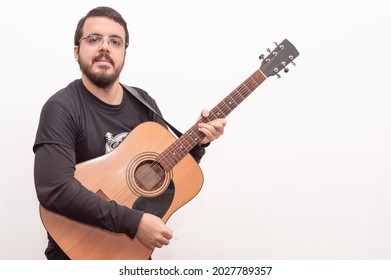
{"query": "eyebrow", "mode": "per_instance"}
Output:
(111, 36)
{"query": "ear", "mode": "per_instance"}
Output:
(76, 52)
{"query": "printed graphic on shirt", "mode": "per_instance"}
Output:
(112, 142)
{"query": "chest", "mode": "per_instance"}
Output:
(102, 130)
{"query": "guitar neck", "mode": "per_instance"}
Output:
(176, 151)
(229, 103)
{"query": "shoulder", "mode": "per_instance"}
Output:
(63, 106)
(68, 99)
(59, 118)
(68, 94)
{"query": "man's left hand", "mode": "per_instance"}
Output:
(212, 130)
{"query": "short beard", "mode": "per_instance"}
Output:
(101, 79)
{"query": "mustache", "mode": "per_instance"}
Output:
(104, 56)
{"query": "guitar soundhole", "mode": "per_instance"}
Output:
(149, 175)
(146, 177)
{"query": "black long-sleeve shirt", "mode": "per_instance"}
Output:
(74, 127)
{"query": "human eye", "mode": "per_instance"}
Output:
(117, 42)
(94, 39)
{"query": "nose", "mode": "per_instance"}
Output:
(105, 45)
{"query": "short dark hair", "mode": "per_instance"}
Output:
(101, 12)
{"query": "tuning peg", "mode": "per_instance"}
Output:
(262, 57)
(268, 50)
(291, 58)
(278, 76)
(286, 70)
(275, 43)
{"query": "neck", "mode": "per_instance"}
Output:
(111, 95)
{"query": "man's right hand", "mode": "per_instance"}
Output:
(152, 232)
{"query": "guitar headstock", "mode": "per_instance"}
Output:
(278, 59)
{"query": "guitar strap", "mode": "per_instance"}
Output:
(136, 94)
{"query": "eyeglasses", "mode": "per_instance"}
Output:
(96, 40)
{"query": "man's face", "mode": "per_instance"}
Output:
(101, 61)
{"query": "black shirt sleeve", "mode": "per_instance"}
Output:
(59, 191)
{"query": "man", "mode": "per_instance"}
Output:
(89, 118)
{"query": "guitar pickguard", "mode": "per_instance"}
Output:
(157, 205)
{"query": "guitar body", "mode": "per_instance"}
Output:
(113, 176)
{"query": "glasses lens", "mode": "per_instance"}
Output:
(115, 42)
(94, 40)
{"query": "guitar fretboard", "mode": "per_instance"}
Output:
(176, 151)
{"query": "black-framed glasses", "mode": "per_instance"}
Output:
(96, 40)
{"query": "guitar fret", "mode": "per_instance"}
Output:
(226, 110)
(239, 94)
(163, 161)
(218, 113)
(247, 87)
(230, 103)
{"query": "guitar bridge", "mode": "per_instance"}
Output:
(102, 194)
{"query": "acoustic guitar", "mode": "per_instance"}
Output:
(151, 171)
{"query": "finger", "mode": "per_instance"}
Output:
(165, 242)
(213, 128)
(167, 234)
(217, 123)
(161, 241)
(209, 132)
(204, 114)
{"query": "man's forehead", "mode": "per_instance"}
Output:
(104, 26)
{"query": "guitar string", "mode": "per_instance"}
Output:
(120, 194)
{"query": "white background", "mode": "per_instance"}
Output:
(302, 171)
